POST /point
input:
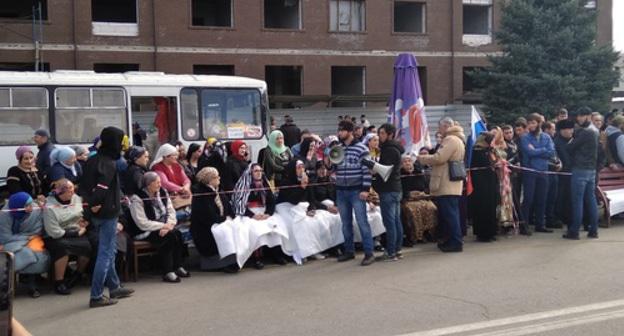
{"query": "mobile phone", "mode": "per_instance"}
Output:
(7, 276)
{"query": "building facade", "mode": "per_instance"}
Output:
(312, 49)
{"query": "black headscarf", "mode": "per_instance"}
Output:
(192, 149)
(111, 138)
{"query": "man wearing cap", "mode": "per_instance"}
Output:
(583, 151)
(45, 146)
(565, 130)
(353, 182)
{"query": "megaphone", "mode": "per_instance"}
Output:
(336, 156)
(383, 170)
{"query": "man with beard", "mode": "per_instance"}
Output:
(390, 191)
(537, 148)
(565, 129)
(583, 151)
(353, 182)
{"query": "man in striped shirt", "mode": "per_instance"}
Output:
(353, 182)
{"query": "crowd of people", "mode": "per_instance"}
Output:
(294, 202)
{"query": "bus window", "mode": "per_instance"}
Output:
(231, 114)
(190, 114)
(82, 113)
(22, 111)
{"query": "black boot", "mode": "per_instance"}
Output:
(60, 288)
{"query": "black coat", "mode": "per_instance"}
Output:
(485, 198)
(132, 179)
(294, 193)
(28, 182)
(412, 182)
(292, 134)
(234, 169)
(100, 183)
(390, 155)
(205, 213)
(325, 190)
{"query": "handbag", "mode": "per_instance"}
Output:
(457, 170)
(180, 202)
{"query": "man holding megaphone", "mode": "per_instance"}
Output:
(353, 182)
(390, 191)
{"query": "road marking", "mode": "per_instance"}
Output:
(524, 319)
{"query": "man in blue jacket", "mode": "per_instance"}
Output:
(537, 148)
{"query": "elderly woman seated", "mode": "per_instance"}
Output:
(20, 233)
(173, 179)
(64, 165)
(210, 207)
(66, 229)
(418, 213)
(154, 220)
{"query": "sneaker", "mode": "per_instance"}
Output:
(318, 256)
(399, 255)
(368, 260)
(346, 257)
(386, 257)
(451, 249)
(121, 293)
(543, 230)
(34, 293)
(75, 279)
(101, 302)
(570, 236)
(592, 235)
(171, 277)
(182, 273)
(258, 265)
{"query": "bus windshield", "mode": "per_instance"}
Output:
(225, 113)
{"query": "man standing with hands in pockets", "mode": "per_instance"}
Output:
(353, 182)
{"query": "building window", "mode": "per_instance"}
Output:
(22, 111)
(347, 15)
(347, 81)
(114, 67)
(16, 66)
(282, 14)
(477, 17)
(283, 81)
(213, 69)
(23, 9)
(409, 17)
(120, 11)
(212, 13)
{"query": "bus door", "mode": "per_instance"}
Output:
(154, 121)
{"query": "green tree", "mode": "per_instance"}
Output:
(549, 60)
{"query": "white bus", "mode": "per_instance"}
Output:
(75, 105)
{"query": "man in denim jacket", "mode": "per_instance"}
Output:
(537, 148)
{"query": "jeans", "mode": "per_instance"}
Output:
(448, 219)
(535, 188)
(551, 199)
(349, 201)
(390, 203)
(583, 200)
(104, 273)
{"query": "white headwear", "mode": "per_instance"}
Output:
(164, 150)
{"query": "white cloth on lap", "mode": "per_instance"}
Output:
(308, 235)
(243, 235)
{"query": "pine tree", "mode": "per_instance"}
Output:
(550, 60)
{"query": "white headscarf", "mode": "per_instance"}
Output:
(164, 150)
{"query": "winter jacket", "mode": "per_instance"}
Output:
(350, 173)
(615, 143)
(62, 220)
(451, 149)
(132, 179)
(292, 134)
(391, 152)
(583, 149)
(538, 156)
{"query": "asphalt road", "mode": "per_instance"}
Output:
(517, 286)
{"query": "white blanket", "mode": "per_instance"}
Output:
(243, 235)
(374, 220)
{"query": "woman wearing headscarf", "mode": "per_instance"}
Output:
(192, 158)
(210, 207)
(276, 158)
(64, 165)
(20, 234)
(255, 225)
(310, 232)
(372, 142)
(132, 178)
(25, 177)
(213, 155)
(173, 178)
(154, 220)
(82, 155)
(483, 201)
(308, 156)
(65, 235)
(236, 165)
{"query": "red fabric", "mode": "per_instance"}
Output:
(172, 178)
(162, 119)
(236, 145)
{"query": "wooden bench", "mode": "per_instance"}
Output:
(610, 192)
(140, 248)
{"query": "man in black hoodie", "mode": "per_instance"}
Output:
(101, 190)
(292, 133)
(390, 191)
